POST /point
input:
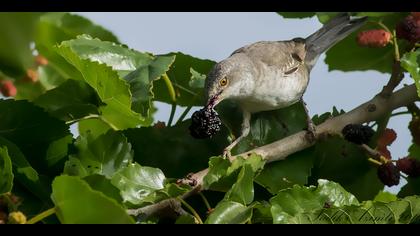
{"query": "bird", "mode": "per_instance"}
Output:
(270, 75)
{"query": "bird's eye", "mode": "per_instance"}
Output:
(223, 82)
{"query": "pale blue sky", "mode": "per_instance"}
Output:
(215, 35)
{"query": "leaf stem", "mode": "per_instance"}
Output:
(383, 26)
(184, 114)
(396, 48)
(171, 116)
(205, 201)
(70, 122)
(374, 161)
(400, 113)
(170, 87)
(41, 216)
(191, 209)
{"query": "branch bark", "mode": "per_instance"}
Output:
(369, 111)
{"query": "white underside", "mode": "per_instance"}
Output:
(275, 90)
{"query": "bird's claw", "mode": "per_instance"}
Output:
(227, 154)
(311, 132)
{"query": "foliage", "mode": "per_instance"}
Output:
(123, 159)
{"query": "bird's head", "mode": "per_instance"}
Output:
(232, 78)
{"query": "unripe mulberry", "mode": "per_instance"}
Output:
(205, 123)
(389, 174)
(374, 38)
(16, 217)
(41, 60)
(409, 29)
(357, 133)
(31, 76)
(8, 89)
(409, 166)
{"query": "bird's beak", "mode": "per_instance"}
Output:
(214, 100)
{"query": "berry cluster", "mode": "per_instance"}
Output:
(409, 28)
(205, 123)
(414, 128)
(357, 133)
(374, 38)
(6, 215)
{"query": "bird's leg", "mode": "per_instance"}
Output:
(311, 135)
(244, 132)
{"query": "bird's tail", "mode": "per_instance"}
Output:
(332, 32)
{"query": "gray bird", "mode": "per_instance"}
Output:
(270, 75)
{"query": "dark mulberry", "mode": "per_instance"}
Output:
(357, 133)
(389, 174)
(409, 166)
(409, 29)
(205, 123)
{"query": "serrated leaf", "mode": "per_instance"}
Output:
(228, 212)
(77, 203)
(103, 155)
(402, 211)
(136, 182)
(289, 203)
(410, 62)
(6, 173)
(62, 103)
(111, 89)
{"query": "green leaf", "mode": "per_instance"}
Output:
(295, 169)
(111, 89)
(49, 78)
(58, 150)
(31, 129)
(262, 213)
(411, 188)
(414, 151)
(180, 75)
(62, 103)
(6, 173)
(345, 163)
(403, 211)
(197, 80)
(103, 155)
(102, 184)
(299, 15)
(228, 212)
(17, 33)
(359, 58)
(27, 91)
(136, 183)
(55, 27)
(141, 83)
(288, 203)
(170, 148)
(186, 219)
(410, 62)
(223, 174)
(77, 203)
(95, 127)
(243, 190)
(385, 197)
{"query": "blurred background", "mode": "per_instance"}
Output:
(216, 35)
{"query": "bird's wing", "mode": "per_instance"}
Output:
(285, 56)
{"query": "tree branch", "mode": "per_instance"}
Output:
(279, 150)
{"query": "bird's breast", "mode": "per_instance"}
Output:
(274, 90)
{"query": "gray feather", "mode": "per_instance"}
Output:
(331, 33)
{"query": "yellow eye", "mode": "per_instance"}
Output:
(223, 82)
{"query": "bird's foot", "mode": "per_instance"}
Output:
(227, 154)
(311, 131)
